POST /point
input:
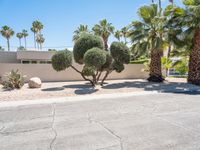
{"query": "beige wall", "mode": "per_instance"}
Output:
(46, 72)
(34, 55)
(8, 57)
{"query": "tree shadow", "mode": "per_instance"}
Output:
(77, 86)
(85, 91)
(53, 89)
(166, 87)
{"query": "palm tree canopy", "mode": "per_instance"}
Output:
(25, 33)
(19, 35)
(103, 29)
(37, 26)
(7, 32)
(80, 30)
(40, 39)
(118, 35)
(150, 32)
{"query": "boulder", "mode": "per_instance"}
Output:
(35, 83)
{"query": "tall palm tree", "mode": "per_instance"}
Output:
(172, 2)
(189, 20)
(40, 40)
(118, 35)
(25, 34)
(7, 32)
(19, 36)
(36, 28)
(104, 29)
(124, 32)
(148, 34)
(80, 30)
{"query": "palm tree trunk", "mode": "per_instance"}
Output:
(105, 43)
(194, 62)
(155, 67)
(19, 42)
(25, 42)
(34, 40)
(38, 46)
(8, 43)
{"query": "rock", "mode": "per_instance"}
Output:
(35, 83)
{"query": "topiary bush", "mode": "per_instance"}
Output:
(83, 44)
(89, 51)
(120, 52)
(117, 66)
(61, 60)
(88, 70)
(95, 57)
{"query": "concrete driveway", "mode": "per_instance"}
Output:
(140, 122)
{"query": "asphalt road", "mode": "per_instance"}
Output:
(148, 122)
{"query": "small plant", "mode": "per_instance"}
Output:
(166, 64)
(182, 67)
(14, 80)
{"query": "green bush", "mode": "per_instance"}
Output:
(182, 66)
(117, 66)
(14, 80)
(83, 44)
(120, 52)
(95, 57)
(61, 60)
(88, 70)
(108, 64)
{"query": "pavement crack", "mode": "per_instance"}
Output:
(107, 129)
(52, 127)
(23, 131)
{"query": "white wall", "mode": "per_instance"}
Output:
(46, 72)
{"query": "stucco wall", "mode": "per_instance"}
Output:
(34, 55)
(46, 72)
(8, 57)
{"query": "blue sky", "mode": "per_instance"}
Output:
(62, 17)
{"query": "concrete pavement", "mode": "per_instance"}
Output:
(136, 122)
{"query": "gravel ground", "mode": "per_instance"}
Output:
(63, 89)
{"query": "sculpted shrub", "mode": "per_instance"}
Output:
(89, 51)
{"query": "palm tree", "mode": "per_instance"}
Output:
(189, 19)
(80, 30)
(19, 36)
(124, 32)
(148, 34)
(118, 35)
(172, 2)
(25, 34)
(36, 28)
(7, 32)
(104, 29)
(40, 40)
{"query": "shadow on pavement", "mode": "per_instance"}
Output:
(166, 87)
(53, 89)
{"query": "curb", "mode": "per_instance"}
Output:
(73, 99)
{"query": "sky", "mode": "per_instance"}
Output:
(61, 17)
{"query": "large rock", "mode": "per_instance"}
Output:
(35, 83)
